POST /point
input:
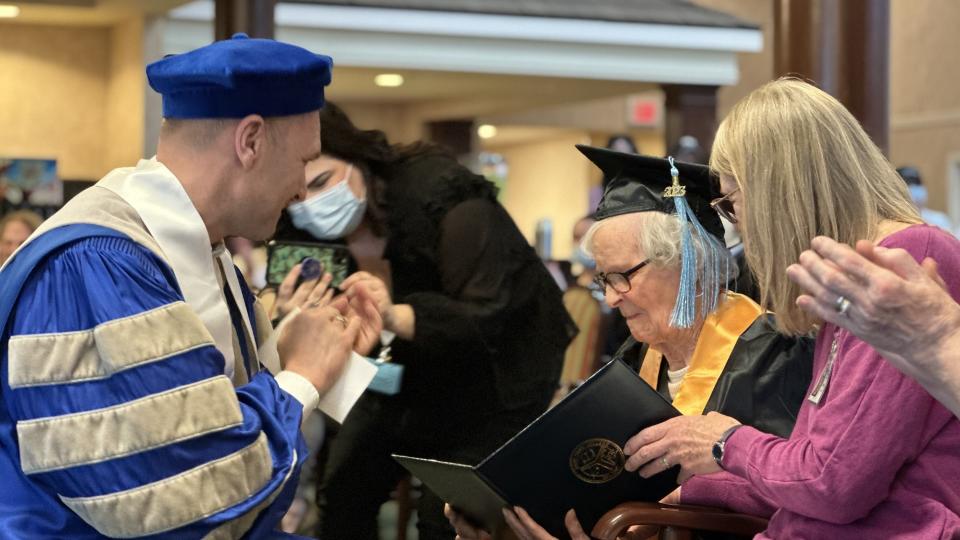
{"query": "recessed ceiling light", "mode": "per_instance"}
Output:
(8, 12)
(487, 131)
(388, 80)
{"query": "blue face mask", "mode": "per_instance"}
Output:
(580, 256)
(919, 195)
(332, 214)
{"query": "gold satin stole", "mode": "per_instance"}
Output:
(718, 337)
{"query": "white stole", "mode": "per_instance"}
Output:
(173, 221)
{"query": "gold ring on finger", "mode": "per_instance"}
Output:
(342, 320)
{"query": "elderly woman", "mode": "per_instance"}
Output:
(728, 357)
(872, 454)
(901, 308)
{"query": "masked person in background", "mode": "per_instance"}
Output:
(919, 195)
(479, 323)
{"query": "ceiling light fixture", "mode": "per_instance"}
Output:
(487, 131)
(388, 80)
(8, 12)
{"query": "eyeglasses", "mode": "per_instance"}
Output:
(724, 207)
(620, 281)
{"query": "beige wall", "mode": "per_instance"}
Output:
(755, 68)
(925, 90)
(548, 178)
(397, 121)
(74, 94)
(126, 84)
(52, 95)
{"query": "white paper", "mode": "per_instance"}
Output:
(355, 378)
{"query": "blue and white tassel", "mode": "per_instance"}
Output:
(714, 255)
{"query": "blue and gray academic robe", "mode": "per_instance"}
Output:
(122, 413)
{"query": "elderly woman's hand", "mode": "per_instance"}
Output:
(685, 440)
(519, 521)
(465, 530)
(527, 529)
(896, 305)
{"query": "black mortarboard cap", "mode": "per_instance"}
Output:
(637, 184)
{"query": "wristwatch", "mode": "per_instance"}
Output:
(720, 444)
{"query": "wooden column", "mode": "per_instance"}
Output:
(455, 135)
(868, 66)
(843, 46)
(690, 110)
(252, 17)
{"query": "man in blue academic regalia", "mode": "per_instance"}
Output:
(132, 399)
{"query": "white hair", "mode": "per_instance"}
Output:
(659, 237)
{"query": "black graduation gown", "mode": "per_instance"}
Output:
(763, 383)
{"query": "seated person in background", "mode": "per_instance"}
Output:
(14, 230)
(728, 356)
(919, 195)
(583, 265)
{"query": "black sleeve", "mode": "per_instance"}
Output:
(479, 265)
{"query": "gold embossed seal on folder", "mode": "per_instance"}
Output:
(597, 461)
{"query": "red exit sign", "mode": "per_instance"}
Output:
(645, 110)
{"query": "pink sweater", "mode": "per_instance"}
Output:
(877, 458)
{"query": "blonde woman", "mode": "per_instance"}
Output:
(872, 455)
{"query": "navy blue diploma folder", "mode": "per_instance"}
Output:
(569, 457)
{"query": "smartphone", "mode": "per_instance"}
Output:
(283, 256)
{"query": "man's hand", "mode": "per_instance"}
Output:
(317, 342)
(685, 440)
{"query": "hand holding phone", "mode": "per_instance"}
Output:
(283, 256)
(306, 285)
